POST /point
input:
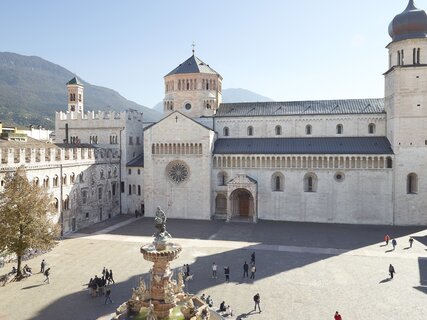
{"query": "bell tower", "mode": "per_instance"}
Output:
(406, 108)
(75, 95)
(193, 88)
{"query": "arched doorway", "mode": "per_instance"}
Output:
(242, 203)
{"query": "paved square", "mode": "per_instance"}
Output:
(304, 271)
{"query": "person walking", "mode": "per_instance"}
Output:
(104, 270)
(337, 316)
(253, 258)
(257, 300)
(391, 271)
(411, 241)
(245, 270)
(253, 270)
(111, 277)
(227, 273)
(394, 243)
(42, 266)
(386, 239)
(214, 268)
(46, 274)
(187, 270)
(108, 295)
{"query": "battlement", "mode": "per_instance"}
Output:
(99, 115)
(14, 156)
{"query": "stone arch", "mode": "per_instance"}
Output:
(242, 203)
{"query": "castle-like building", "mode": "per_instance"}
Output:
(340, 161)
(357, 161)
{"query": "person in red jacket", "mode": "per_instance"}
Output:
(337, 316)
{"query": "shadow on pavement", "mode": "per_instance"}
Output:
(80, 305)
(385, 280)
(33, 286)
(422, 267)
(304, 234)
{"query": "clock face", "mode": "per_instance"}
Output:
(187, 106)
(177, 171)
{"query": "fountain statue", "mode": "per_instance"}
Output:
(163, 294)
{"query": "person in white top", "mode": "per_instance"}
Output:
(214, 267)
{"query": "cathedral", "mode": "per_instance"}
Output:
(357, 161)
(360, 161)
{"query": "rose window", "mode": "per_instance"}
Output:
(177, 171)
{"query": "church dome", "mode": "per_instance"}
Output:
(410, 24)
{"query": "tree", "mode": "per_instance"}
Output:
(24, 217)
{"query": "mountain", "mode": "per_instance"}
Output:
(231, 95)
(32, 89)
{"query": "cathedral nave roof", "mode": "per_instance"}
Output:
(316, 107)
(321, 145)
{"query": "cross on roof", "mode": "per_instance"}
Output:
(193, 45)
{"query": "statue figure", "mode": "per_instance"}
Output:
(169, 296)
(160, 223)
(151, 315)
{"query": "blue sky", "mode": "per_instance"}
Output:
(286, 50)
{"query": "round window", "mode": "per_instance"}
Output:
(187, 106)
(177, 171)
(339, 176)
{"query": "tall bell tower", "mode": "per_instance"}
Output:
(193, 88)
(75, 95)
(406, 108)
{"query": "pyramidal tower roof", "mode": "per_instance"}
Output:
(193, 65)
(75, 80)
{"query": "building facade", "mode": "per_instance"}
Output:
(340, 161)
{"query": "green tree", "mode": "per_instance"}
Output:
(25, 221)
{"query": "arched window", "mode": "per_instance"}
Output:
(101, 174)
(412, 183)
(339, 129)
(55, 181)
(371, 128)
(308, 129)
(310, 182)
(222, 178)
(46, 182)
(81, 177)
(36, 181)
(64, 179)
(278, 130)
(72, 177)
(100, 193)
(56, 203)
(225, 131)
(277, 181)
(250, 131)
(139, 189)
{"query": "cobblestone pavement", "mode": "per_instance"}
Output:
(304, 271)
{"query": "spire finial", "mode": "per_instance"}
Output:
(411, 5)
(193, 45)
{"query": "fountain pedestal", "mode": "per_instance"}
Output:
(162, 288)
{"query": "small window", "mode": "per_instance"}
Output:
(339, 177)
(99, 193)
(308, 129)
(277, 182)
(130, 189)
(187, 106)
(87, 215)
(139, 171)
(371, 128)
(130, 140)
(84, 196)
(139, 190)
(129, 171)
(122, 186)
(137, 140)
(250, 131)
(80, 97)
(310, 182)
(278, 130)
(412, 183)
(339, 129)
(225, 131)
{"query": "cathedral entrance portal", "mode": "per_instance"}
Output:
(242, 204)
(242, 198)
